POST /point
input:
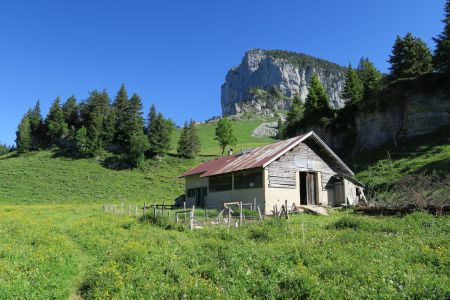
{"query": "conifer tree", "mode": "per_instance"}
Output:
(189, 142)
(294, 117)
(56, 124)
(23, 135)
(370, 77)
(441, 57)
(159, 132)
(224, 134)
(136, 140)
(121, 108)
(36, 127)
(71, 113)
(410, 57)
(316, 102)
(353, 91)
(96, 115)
(281, 128)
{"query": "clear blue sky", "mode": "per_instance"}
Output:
(176, 53)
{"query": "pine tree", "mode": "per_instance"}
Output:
(371, 78)
(410, 57)
(56, 124)
(37, 127)
(136, 140)
(353, 91)
(121, 108)
(189, 142)
(71, 113)
(96, 115)
(294, 117)
(441, 57)
(224, 134)
(316, 102)
(136, 120)
(159, 132)
(281, 128)
(23, 135)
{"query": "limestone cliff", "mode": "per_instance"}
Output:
(266, 79)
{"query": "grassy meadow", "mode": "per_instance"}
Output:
(56, 243)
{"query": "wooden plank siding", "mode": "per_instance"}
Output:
(304, 157)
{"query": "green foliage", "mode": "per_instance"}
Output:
(122, 118)
(294, 117)
(37, 129)
(23, 135)
(441, 59)
(71, 113)
(317, 107)
(410, 57)
(353, 91)
(189, 141)
(82, 142)
(97, 119)
(159, 132)
(4, 149)
(138, 146)
(370, 77)
(224, 134)
(56, 124)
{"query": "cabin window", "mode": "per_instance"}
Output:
(250, 179)
(191, 193)
(220, 183)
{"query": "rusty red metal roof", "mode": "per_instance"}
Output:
(249, 159)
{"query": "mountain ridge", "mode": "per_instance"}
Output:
(282, 74)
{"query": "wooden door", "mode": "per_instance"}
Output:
(311, 188)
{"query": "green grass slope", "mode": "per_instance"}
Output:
(242, 130)
(46, 177)
(420, 154)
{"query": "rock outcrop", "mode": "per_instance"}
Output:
(266, 79)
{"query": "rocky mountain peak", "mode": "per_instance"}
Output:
(265, 81)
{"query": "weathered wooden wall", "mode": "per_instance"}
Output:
(305, 157)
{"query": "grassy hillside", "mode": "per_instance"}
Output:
(423, 154)
(242, 130)
(46, 177)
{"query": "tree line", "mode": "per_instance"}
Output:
(410, 58)
(97, 124)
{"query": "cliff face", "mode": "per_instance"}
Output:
(282, 74)
(419, 114)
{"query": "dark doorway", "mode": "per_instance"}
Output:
(308, 188)
(200, 196)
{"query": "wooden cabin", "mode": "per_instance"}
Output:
(302, 170)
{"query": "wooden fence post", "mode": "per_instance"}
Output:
(191, 221)
(286, 209)
(176, 216)
(129, 209)
(254, 203)
(121, 209)
(240, 213)
(184, 208)
(259, 211)
(229, 216)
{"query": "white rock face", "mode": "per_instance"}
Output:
(289, 73)
(266, 129)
